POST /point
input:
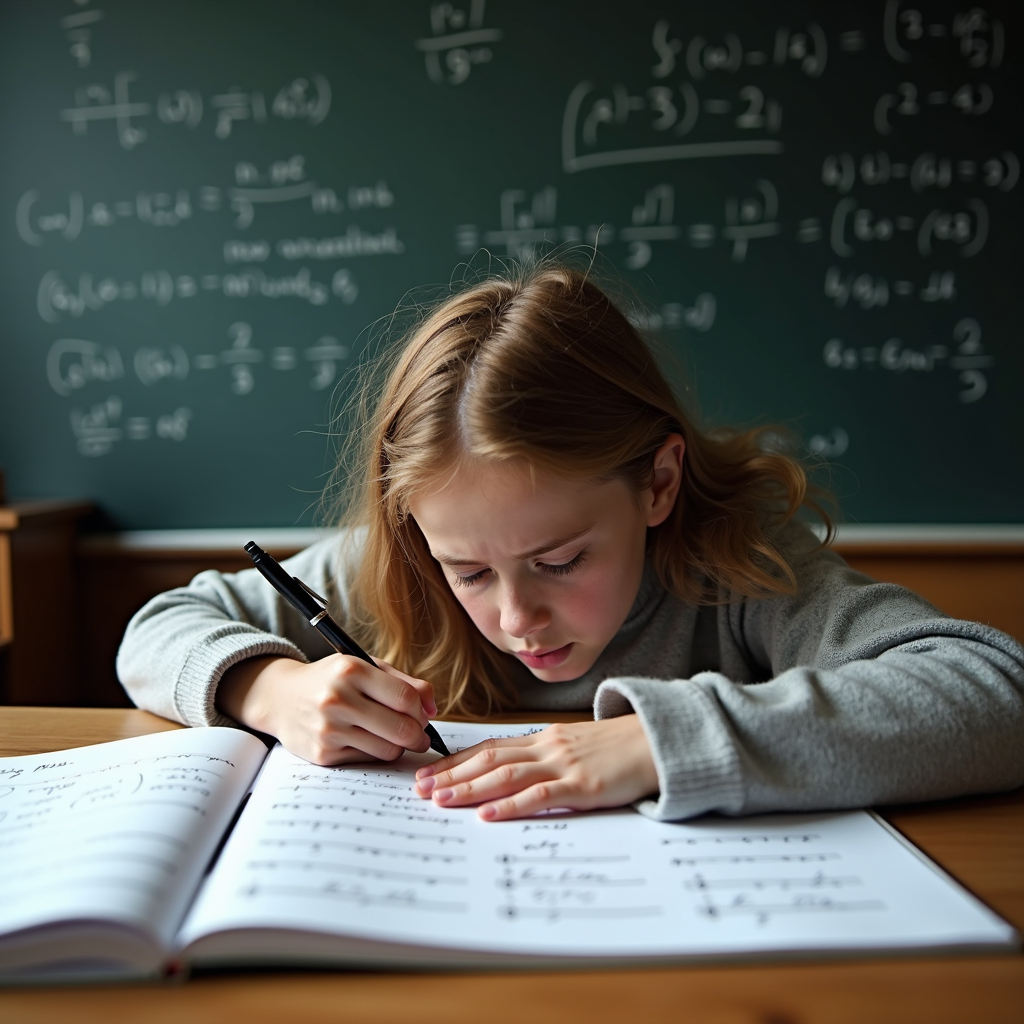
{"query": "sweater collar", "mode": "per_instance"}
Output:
(648, 598)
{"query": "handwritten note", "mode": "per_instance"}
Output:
(120, 831)
(354, 853)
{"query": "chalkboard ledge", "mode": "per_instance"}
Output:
(214, 540)
(928, 538)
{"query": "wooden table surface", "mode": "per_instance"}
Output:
(980, 841)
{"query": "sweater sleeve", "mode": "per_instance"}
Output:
(178, 646)
(871, 696)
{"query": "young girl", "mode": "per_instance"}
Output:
(539, 526)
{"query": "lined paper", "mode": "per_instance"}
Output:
(353, 851)
(119, 831)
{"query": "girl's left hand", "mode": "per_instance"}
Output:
(580, 766)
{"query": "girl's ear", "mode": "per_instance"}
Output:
(668, 478)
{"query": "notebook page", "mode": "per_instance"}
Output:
(118, 831)
(353, 851)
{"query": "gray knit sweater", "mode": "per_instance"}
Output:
(849, 693)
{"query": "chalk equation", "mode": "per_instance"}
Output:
(56, 299)
(606, 126)
(974, 38)
(964, 229)
(529, 225)
(850, 289)
(458, 42)
(807, 48)
(966, 357)
(302, 99)
(674, 316)
(591, 115)
(98, 429)
(73, 363)
(78, 29)
(842, 171)
(285, 182)
(970, 99)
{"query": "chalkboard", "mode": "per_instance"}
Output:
(206, 205)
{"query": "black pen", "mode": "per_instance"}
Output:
(313, 608)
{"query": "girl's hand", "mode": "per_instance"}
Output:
(579, 766)
(332, 711)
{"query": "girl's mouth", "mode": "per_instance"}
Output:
(545, 659)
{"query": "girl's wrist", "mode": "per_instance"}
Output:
(243, 692)
(641, 756)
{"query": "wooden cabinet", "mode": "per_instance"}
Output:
(40, 610)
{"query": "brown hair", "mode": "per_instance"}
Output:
(541, 367)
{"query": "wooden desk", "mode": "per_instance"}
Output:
(980, 841)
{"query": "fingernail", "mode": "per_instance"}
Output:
(426, 785)
(430, 707)
(487, 812)
(425, 771)
(444, 794)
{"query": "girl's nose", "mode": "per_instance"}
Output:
(519, 615)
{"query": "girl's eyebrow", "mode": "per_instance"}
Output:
(542, 550)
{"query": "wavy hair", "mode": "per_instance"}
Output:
(541, 367)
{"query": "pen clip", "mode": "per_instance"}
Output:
(322, 601)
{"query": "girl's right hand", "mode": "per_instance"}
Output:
(333, 711)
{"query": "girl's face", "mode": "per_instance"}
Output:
(546, 567)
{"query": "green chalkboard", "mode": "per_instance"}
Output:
(207, 204)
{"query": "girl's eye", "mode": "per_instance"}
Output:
(564, 568)
(468, 581)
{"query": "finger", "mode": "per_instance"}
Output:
(356, 744)
(504, 781)
(422, 687)
(390, 689)
(329, 748)
(355, 710)
(342, 755)
(543, 796)
(478, 765)
(477, 750)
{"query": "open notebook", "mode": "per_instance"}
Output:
(107, 854)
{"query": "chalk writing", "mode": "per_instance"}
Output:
(978, 41)
(529, 226)
(55, 298)
(305, 99)
(852, 172)
(967, 357)
(458, 41)
(165, 209)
